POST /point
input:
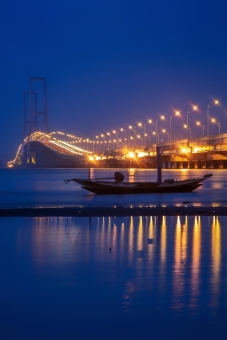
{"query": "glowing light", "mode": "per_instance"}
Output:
(195, 107)
(131, 154)
(216, 102)
(177, 113)
(141, 154)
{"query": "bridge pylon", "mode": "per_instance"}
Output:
(35, 120)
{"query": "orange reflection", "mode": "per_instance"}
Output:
(196, 254)
(163, 241)
(216, 258)
(140, 234)
(180, 256)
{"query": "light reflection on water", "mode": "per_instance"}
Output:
(60, 271)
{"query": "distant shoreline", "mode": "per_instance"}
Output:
(115, 212)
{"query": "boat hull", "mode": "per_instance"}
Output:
(111, 191)
(102, 187)
(109, 188)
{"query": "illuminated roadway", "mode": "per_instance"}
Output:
(179, 153)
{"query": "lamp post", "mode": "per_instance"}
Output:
(131, 138)
(201, 125)
(144, 126)
(213, 120)
(149, 122)
(146, 135)
(124, 130)
(215, 102)
(170, 128)
(188, 130)
(116, 132)
(108, 136)
(139, 137)
(103, 136)
(176, 113)
(162, 118)
(98, 142)
(194, 108)
(134, 131)
(208, 120)
(156, 131)
(164, 131)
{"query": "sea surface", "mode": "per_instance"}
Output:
(46, 187)
(111, 278)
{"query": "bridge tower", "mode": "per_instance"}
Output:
(26, 129)
(35, 120)
(34, 124)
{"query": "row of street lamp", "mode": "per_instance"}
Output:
(145, 135)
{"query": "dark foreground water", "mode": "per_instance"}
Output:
(165, 277)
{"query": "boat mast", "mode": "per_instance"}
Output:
(89, 170)
(159, 164)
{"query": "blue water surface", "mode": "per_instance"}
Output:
(46, 187)
(164, 277)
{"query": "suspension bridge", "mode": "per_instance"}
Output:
(42, 148)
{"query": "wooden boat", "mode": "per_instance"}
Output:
(118, 186)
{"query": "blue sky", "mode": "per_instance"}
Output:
(109, 64)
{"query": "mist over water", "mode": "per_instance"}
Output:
(46, 187)
(163, 277)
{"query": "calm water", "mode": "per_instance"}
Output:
(163, 278)
(46, 187)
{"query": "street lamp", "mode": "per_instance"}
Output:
(216, 102)
(144, 126)
(194, 108)
(131, 138)
(103, 136)
(188, 129)
(164, 131)
(150, 122)
(98, 142)
(139, 137)
(123, 130)
(162, 118)
(176, 113)
(213, 120)
(201, 125)
(116, 132)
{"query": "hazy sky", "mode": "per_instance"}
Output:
(109, 64)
